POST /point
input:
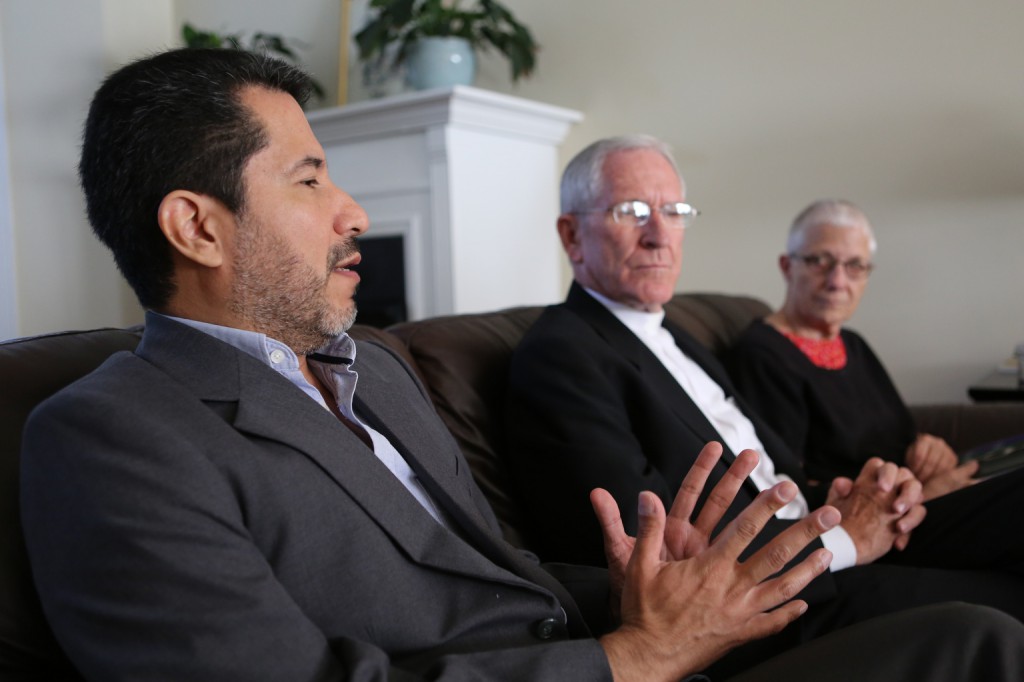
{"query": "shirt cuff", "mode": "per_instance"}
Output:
(844, 552)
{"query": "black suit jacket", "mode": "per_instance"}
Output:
(590, 406)
(191, 515)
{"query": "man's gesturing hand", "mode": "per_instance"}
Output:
(686, 600)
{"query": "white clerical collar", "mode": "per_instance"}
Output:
(641, 322)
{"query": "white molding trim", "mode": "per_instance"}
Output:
(405, 217)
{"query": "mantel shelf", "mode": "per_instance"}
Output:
(459, 105)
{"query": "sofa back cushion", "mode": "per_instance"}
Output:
(463, 360)
(715, 320)
(34, 369)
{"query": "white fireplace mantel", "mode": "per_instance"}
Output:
(469, 179)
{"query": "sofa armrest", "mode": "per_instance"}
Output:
(964, 426)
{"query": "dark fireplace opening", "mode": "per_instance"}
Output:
(380, 298)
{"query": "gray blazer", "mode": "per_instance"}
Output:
(191, 515)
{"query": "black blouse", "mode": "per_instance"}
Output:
(835, 419)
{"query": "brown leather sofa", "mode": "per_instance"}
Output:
(463, 360)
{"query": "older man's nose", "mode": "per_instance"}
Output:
(658, 231)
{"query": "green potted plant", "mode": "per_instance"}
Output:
(406, 32)
(264, 43)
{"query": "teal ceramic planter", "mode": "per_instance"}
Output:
(440, 62)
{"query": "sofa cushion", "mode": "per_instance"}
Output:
(34, 369)
(464, 359)
(968, 425)
(715, 320)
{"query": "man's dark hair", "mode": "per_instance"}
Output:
(167, 122)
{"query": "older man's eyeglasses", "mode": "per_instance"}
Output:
(824, 263)
(636, 213)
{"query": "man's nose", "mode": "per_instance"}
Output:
(350, 219)
(658, 231)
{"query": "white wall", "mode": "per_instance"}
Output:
(311, 27)
(56, 52)
(8, 284)
(912, 109)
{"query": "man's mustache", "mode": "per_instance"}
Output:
(339, 253)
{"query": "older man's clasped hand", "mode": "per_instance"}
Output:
(880, 507)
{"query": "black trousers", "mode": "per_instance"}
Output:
(969, 548)
(939, 643)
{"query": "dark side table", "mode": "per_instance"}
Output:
(996, 386)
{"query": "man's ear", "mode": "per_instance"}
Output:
(569, 232)
(195, 225)
(785, 263)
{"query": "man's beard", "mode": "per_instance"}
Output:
(283, 297)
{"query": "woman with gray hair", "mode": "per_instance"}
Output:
(818, 384)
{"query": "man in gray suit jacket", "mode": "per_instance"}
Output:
(222, 504)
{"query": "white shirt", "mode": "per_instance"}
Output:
(729, 421)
